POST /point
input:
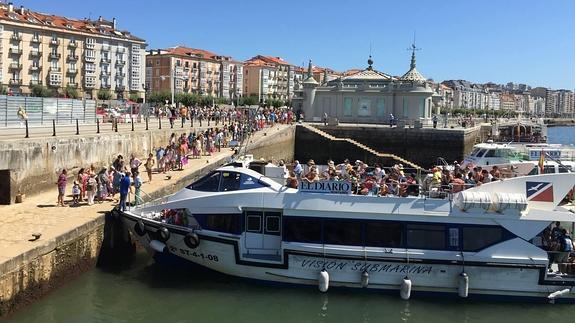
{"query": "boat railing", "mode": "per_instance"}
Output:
(145, 200)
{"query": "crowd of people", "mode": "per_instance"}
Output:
(123, 177)
(395, 180)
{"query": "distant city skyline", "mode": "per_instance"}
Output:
(515, 41)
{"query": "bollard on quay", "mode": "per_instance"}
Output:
(26, 123)
(77, 128)
(132, 120)
(53, 128)
(147, 123)
(97, 125)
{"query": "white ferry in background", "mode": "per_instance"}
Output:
(522, 159)
(482, 242)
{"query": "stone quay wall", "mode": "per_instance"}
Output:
(34, 165)
(421, 146)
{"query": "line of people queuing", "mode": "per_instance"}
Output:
(122, 177)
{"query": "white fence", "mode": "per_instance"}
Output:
(44, 110)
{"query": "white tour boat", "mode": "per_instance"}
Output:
(477, 243)
(517, 159)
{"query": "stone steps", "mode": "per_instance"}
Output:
(362, 146)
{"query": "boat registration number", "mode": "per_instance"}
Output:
(195, 254)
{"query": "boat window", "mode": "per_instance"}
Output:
(228, 223)
(383, 234)
(481, 153)
(208, 183)
(230, 181)
(475, 152)
(534, 171)
(272, 225)
(426, 236)
(477, 238)
(504, 153)
(490, 153)
(342, 232)
(254, 222)
(248, 182)
(454, 238)
(549, 169)
(298, 229)
(564, 169)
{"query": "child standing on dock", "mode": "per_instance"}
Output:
(76, 193)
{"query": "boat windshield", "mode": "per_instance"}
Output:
(225, 181)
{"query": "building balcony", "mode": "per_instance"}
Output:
(121, 50)
(55, 82)
(35, 68)
(55, 70)
(72, 57)
(72, 71)
(106, 86)
(90, 45)
(74, 84)
(55, 55)
(120, 75)
(15, 82)
(120, 63)
(106, 60)
(89, 85)
(35, 40)
(106, 48)
(35, 82)
(120, 88)
(35, 53)
(15, 51)
(54, 42)
(16, 37)
(105, 72)
(72, 44)
(89, 58)
(15, 66)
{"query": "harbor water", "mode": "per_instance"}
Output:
(151, 292)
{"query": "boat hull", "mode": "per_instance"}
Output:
(222, 253)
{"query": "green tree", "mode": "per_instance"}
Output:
(104, 94)
(3, 90)
(248, 100)
(134, 96)
(71, 92)
(40, 91)
(159, 97)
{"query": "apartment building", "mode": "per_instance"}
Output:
(468, 95)
(269, 77)
(565, 103)
(191, 70)
(59, 52)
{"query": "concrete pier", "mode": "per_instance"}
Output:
(71, 237)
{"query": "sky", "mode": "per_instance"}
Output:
(529, 41)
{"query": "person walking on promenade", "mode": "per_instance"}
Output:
(434, 121)
(62, 180)
(125, 189)
(149, 166)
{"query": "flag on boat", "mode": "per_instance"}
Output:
(541, 161)
(539, 191)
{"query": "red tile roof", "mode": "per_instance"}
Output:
(268, 60)
(101, 27)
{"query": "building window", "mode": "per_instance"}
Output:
(405, 107)
(381, 107)
(347, 104)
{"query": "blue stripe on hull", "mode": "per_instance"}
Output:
(173, 260)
